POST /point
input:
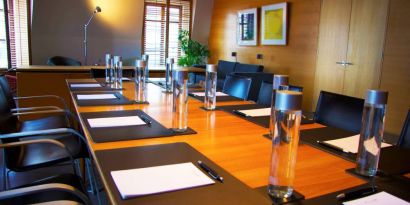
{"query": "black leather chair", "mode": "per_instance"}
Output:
(339, 111)
(265, 92)
(404, 138)
(257, 79)
(237, 86)
(100, 73)
(63, 61)
(63, 189)
(248, 68)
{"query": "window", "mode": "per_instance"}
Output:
(16, 12)
(163, 20)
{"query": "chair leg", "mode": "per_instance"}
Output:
(92, 179)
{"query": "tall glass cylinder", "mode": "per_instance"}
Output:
(145, 58)
(285, 120)
(108, 68)
(371, 133)
(140, 81)
(210, 87)
(180, 100)
(168, 74)
(278, 81)
(117, 72)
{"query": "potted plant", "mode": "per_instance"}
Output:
(194, 52)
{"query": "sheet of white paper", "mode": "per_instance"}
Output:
(126, 79)
(202, 94)
(151, 180)
(95, 96)
(256, 112)
(115, 121)
(381, 198)
(350, 144)
(93, 85)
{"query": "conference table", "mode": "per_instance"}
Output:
(236, 145)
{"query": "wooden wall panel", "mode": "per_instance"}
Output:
(396, 65)
(298, 58)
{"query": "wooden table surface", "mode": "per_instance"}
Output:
(234, 144)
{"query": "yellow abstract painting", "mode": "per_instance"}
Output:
(274, 24)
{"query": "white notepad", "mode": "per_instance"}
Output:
(256, 112)
(96, 96)
(202, 94)
(152, 180)
(351, 144)
(381, 198)
(115, 121)
(92, 85)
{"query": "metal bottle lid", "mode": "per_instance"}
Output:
(145, 57)
(180, 74)
(288, 100)
(140, 64)
(108, 56)
(377, 97)
(280, 80)
(212, 68)
(170, 61)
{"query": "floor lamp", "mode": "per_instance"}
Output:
(97, 10)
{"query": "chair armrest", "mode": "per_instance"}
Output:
(57, 131)
(44, 188)
(25, 109)
(44, 96)
(55, 111)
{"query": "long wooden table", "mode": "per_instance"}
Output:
(233, 143)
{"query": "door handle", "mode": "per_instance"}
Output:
(344, 63)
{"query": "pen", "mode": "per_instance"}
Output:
(240, 113)
(332, 146)
(356, 194)
(211, 172)
(146, 120)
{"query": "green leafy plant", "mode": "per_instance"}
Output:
(194, 52)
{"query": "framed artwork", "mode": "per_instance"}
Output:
(273, 27)
(247, 27)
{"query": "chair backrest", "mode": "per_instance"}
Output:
(100, 73)
(64, 61)
(237, 86)
(251, 68)
(257, 79)
(339, 111)
(8, 122)
(404, 139)
(265, 94)
(7, 91)
(225, 68)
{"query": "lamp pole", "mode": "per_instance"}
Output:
(97, 10)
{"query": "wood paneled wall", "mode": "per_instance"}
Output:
(297, 58)
(395, 75)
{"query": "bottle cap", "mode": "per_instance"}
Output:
(180, 74)
(288, 100)
(280, 80)
(377, 97)
(170, 61)
(117, 59)
(140, 64)
(212, 68)
(145, 57)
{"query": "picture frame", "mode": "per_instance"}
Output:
(274, 24)
(247, 32)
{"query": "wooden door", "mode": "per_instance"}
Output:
(332, 48)
(365, 49)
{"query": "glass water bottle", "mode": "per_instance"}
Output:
(285, 121)
(371, 132)
(210, 87)
(145, 58)
(140, 81)
(108, 68)
(168, 74)
(117, 72)
(278, 80)
(180, 100)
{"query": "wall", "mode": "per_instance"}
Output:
(58, 29)
(395, 70)
(297, 58)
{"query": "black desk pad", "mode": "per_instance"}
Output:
(120, 100)
(218, 98)
(232, 191)
(134, 132)
(398, 187)
(104, 86)
(393, 160)
(262, 120)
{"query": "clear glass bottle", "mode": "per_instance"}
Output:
(285, 121)
(168, 74)
(371, 133)
(108, 68)
(145, 58)
(210, 87)
(278, 81)
(117, 72)
(140, 81)
(180, 100)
